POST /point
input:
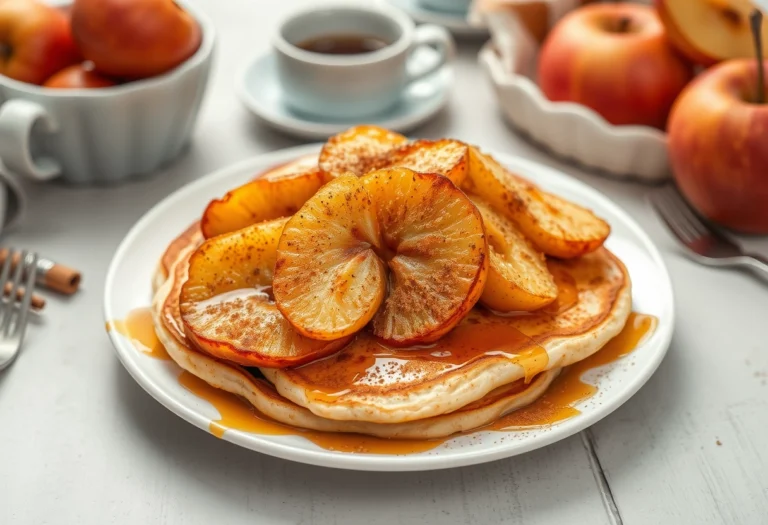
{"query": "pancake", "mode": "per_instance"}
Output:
(192, 236)
(470, 374)
(271, 405)
(368, 381)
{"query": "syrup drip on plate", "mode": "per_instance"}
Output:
(138, 327)
(237, 413)
(556, 405)
(568, 388)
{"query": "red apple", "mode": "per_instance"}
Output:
(79, 76)
(35, 41)
(718, 149)
(134, 38)
(708, 31)
(615, 59)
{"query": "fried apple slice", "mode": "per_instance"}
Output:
(329, 281)
(447, 157)
(518, 277)
(330, 276)
(266, 198)
(358, 150)
(436, 251)
(226, 306)
(555, 226)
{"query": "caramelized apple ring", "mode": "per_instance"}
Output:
(330, 277)
(226, 305)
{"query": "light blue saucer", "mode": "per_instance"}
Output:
(456, 23)
(258, 88)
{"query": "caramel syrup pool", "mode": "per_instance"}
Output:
(237, 413)
(568, 389)
(556, 405)
(138, 327)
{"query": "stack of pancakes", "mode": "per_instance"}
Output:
(488, 366)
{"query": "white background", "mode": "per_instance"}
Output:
(81, 443)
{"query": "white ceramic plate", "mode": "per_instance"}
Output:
(128, 287)
(455, 23)
(259, 90)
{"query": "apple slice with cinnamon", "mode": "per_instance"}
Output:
(227, 307)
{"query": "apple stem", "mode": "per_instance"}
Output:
(756, 21)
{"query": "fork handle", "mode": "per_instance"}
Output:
(756, 261)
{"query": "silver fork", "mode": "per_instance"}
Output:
(14, 315)
(705, 244)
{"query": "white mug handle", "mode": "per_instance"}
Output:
(438, 38)
(17, 120)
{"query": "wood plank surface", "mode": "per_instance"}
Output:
(81, 443)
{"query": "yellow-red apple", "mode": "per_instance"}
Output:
(708, 31)
(134, 38)
(79, 76)
(615, 59)
(718, 149)
(35, 41)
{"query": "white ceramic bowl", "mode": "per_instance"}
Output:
(571, 130)
(104, 135)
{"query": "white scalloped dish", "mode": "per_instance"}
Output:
(568, 129)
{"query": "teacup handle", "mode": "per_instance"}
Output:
(438, 38)
(17, 120)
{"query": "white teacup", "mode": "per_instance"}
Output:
(103, 135)
(343, 86)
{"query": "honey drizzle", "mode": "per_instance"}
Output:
(234, 412)
(367, 363)
(139, 328)
(567, 292)
(568, 388)
(554, 406)
(237, 413)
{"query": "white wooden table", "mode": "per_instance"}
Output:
(81, 443)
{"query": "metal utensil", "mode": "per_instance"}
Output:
(14, 315)
(705, 244)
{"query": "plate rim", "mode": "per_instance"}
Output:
(383, 462)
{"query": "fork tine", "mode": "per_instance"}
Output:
(6, 267)
(30, 269)
(7, 307)
(687, 213)
(4, 279)
(705, 227)
(668, 213)
(682, 221)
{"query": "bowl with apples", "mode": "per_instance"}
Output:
(597, 90)
(99, 91)
(603, 86)
(718, 127)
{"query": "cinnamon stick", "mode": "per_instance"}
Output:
(37, 303)
(50, 274)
